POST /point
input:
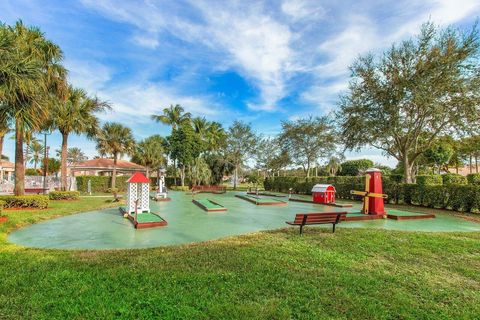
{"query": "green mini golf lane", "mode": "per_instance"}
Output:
(107, 229)
(209, 204)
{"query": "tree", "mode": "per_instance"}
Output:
(438, 155)
(53, 166)
(241, 144)
(173, 116)
(4, 129)
(200, 172)
(420, 89)
(116, 140)
(334, 166)
(75, 155)
(219, 166)
(75, 115)
(307, 140)
(355, 167)
(266, 152)
(150, 153)
(30, 71)
(185, 146)
(37, 153)
(280, 161)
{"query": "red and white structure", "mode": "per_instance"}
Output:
(323, 193)
(138, 193)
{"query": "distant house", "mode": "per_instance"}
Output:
(104, 167)
(7, 169)
(465, 170)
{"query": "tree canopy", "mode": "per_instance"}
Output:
(418, 90)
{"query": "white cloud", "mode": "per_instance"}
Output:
(89, 75)
(137, 102)
(303, 9)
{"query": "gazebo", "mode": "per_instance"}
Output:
(138, 191)
(137, 208)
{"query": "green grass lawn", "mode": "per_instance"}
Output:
(354, 273)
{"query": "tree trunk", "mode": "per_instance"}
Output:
(1, 145)
(175, 172)
(182, 176)
(407, 170)
(476, 163)
(471, 165)
(19, 167)
(235, 177)
(64, 160)
(114, 171)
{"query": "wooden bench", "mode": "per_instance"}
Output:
(36, 190)
(303, 219)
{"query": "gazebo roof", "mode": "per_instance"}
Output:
(138, 177)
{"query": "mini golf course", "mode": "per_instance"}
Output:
(209, 205)
(144, 220)
(261, 201)
(107, 229)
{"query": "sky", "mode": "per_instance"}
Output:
(262, 62)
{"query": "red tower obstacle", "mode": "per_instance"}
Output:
(373, 195)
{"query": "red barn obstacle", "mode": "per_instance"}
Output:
(323, 193)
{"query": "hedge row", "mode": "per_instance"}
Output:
(101, 183)
(2, 205)
(474, 178)
(64, 195)
(459, 197)
(36, 201)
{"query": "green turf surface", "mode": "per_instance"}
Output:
(148, 217)
(107, 229)
(209, 204)
(261, 199)
(353, 274)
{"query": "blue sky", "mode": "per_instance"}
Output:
(257, 61)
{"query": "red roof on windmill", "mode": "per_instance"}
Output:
(138, 177)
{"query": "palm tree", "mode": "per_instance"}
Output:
(173, 116)
(215, 136)
(75, 115)
(4, 129)
(37, 150)
(150, 153)
(116, 140)
(334, 166)
(75, 155)
(29, 73)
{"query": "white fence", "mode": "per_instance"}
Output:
(52, 183)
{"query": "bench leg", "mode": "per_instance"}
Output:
(334, 224)
(301, 229)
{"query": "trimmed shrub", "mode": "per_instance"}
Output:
(64, 195)
(474, 178)
(101, 183)
(453, 178)
(36, 201)
(429, 180)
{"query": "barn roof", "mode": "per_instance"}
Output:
(138, 177)
(323, 188)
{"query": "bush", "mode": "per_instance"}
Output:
(459, 197)
(453, 178)
(36, 201)
(2, 205)
(355, 167)
(101, 183)
(473, 178)
(64, 195)
(430, 179)
(31, 172)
